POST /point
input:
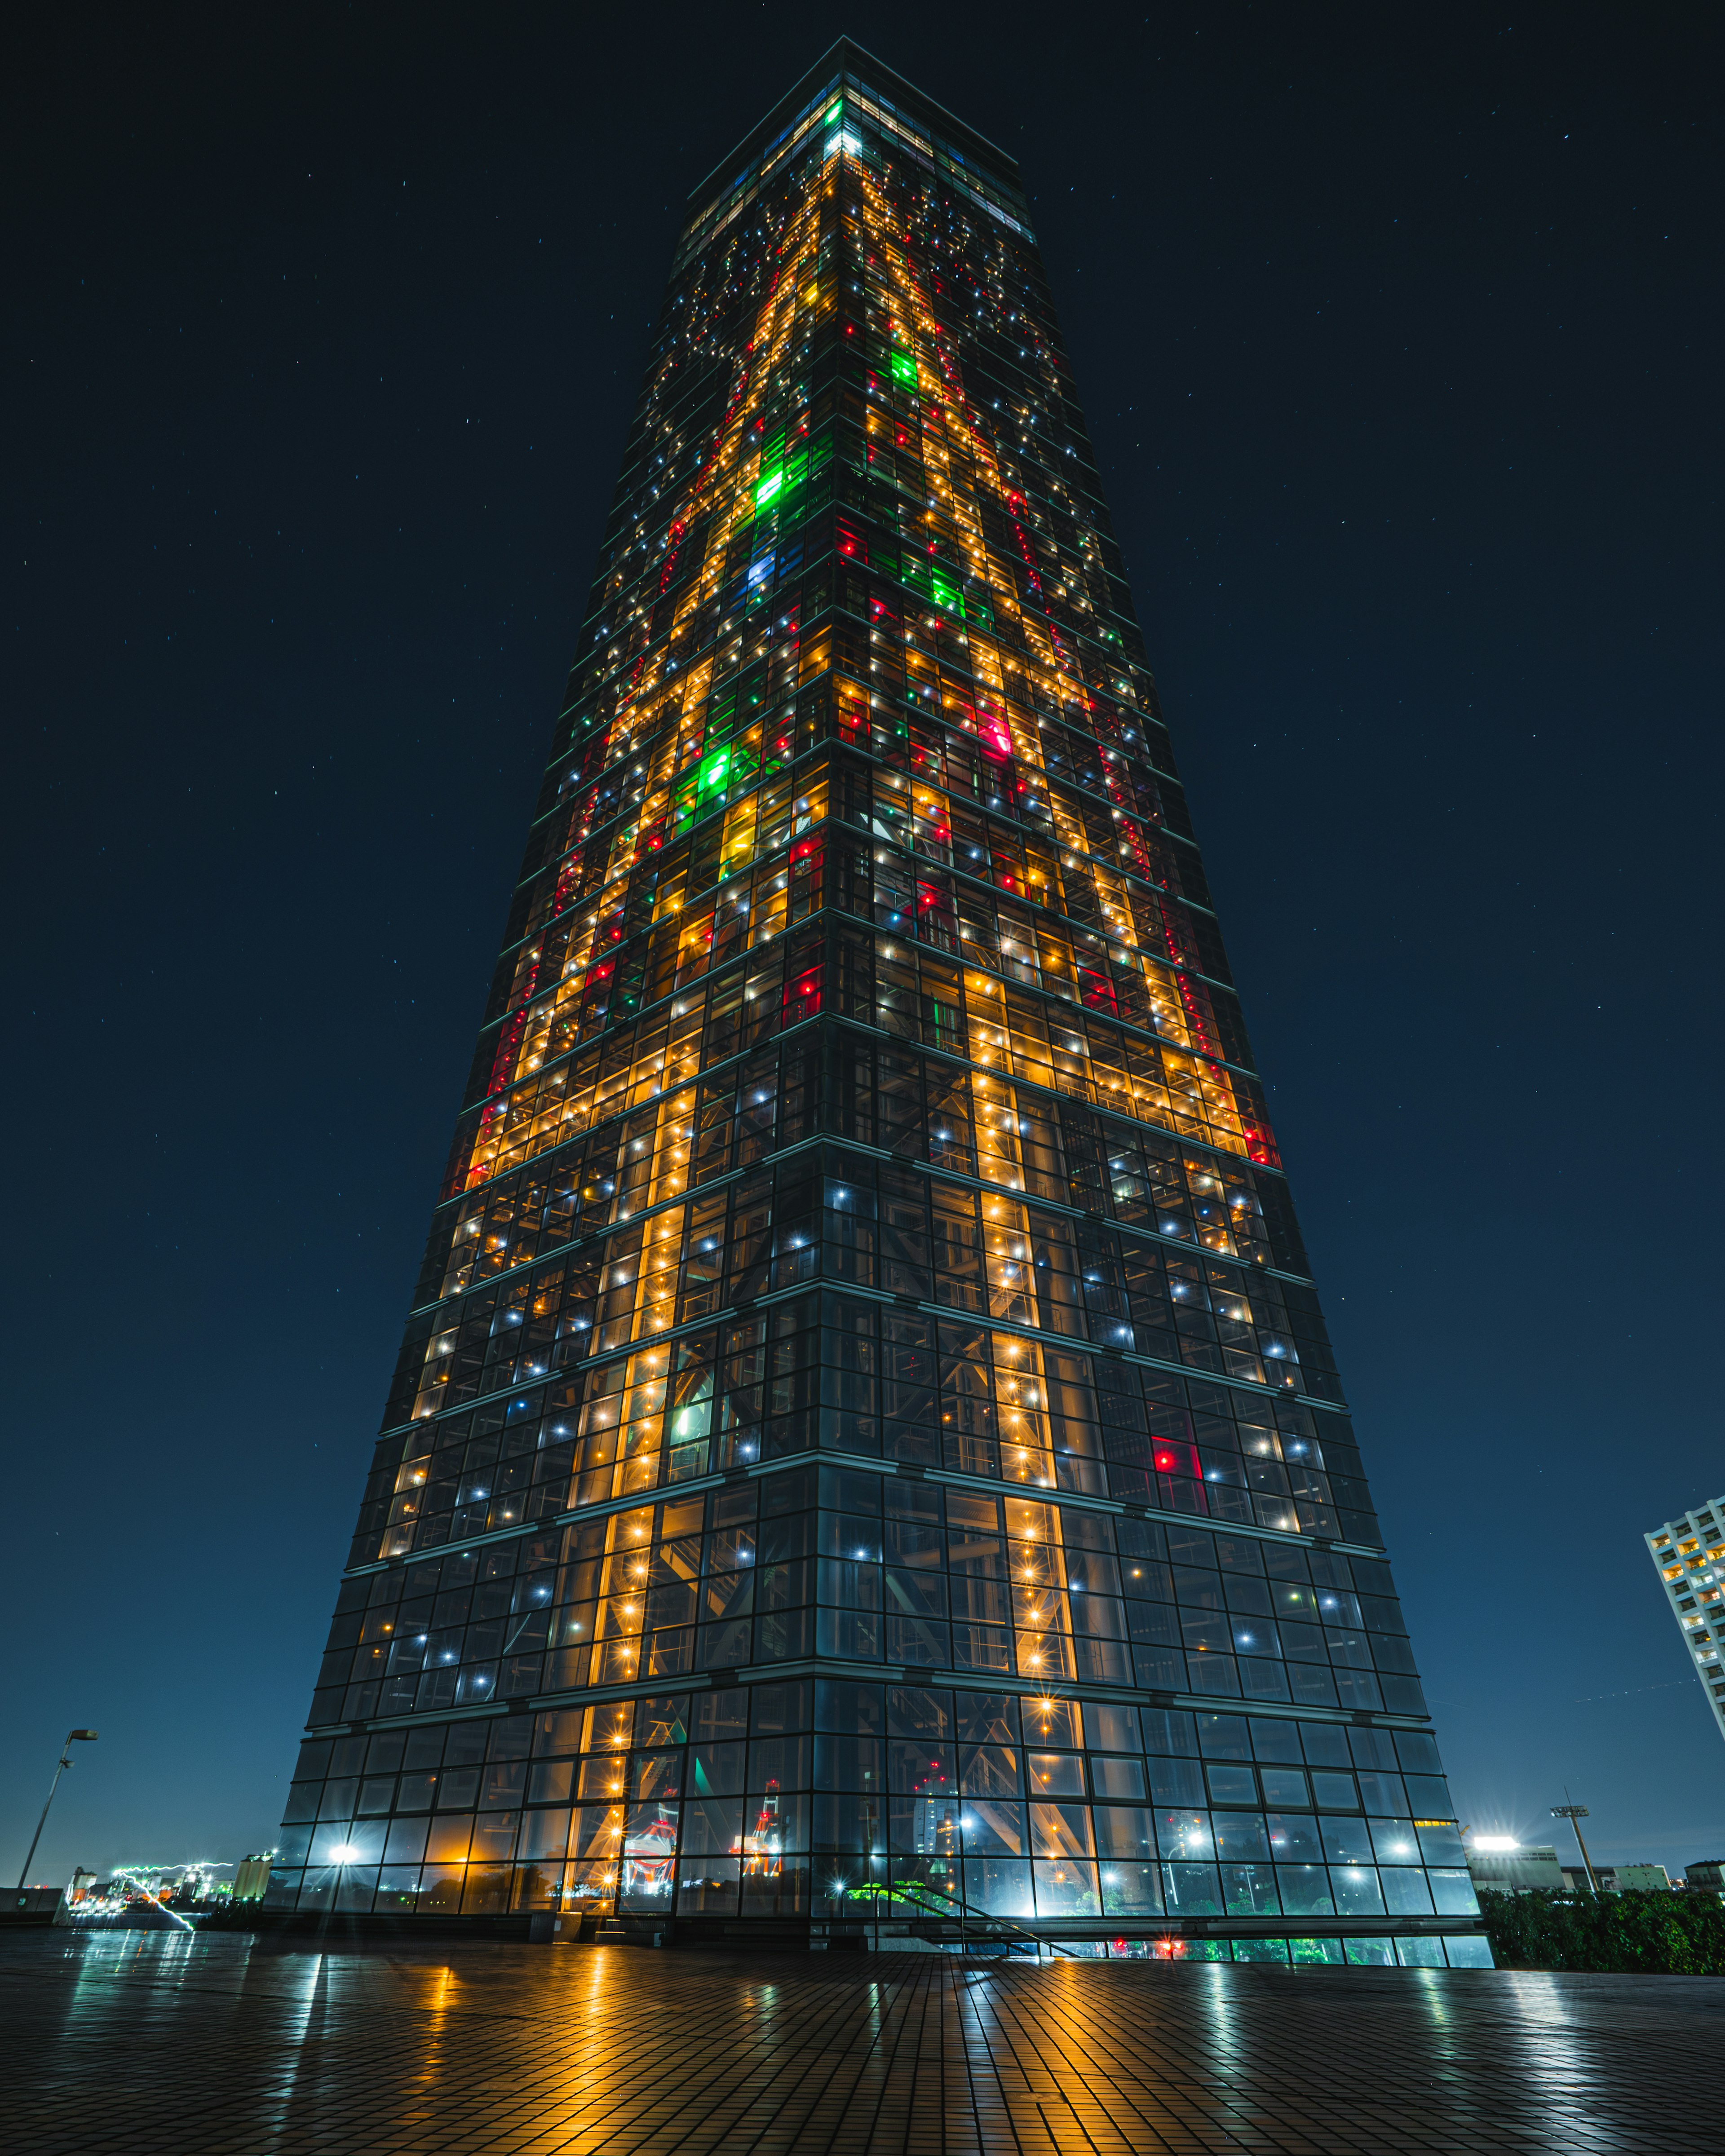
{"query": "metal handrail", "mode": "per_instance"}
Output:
(945, 1904)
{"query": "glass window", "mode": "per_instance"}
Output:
(992, 1827)
(1120, 1778)
(1065, 1887)
(1405, 1891)
(1055, 1773)
(1061, 1831)
(1240, 1834)
(999, 1886)
(1130, 1888)
(1356, 1891)
(1305, 1890)
(1294, 1836)
(1232, 1785)
(1192, 1890)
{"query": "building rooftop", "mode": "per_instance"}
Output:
(843, 57)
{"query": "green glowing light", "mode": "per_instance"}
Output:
(904, 368)
(715, 770)
(768, 487)
(835, 110)
(946, 596)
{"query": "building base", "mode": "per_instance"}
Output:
(1435, 1943)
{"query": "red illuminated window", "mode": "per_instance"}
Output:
(802, 995)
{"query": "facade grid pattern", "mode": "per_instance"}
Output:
(1690, 1555)
(866, 1437)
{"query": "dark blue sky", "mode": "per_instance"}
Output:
(1398, 339)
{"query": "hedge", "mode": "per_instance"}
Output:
(1646, 1933)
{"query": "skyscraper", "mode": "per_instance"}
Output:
(865, 1451)
(1690, 1552)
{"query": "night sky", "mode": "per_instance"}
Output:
(1399, 336)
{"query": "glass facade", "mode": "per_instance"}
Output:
(866, 1448)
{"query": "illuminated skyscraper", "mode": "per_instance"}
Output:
(866, 1449)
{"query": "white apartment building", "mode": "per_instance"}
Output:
(1690, 1552)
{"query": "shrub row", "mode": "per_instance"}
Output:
(1653, 1935)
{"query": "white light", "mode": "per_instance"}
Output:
(344, 1853)
(1494, 1842)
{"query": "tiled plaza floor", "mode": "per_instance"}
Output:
(141, 2042)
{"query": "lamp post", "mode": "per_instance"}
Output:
(73, 1737)
(1575, 1814)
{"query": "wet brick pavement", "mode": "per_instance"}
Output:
(138, 2042)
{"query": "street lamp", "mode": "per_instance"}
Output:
(1575, 1814)
(73, 1737)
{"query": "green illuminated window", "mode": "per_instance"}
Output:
(768, 487)
(904, 369)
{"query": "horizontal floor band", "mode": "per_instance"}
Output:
(928, 1678)
(866, 1463)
